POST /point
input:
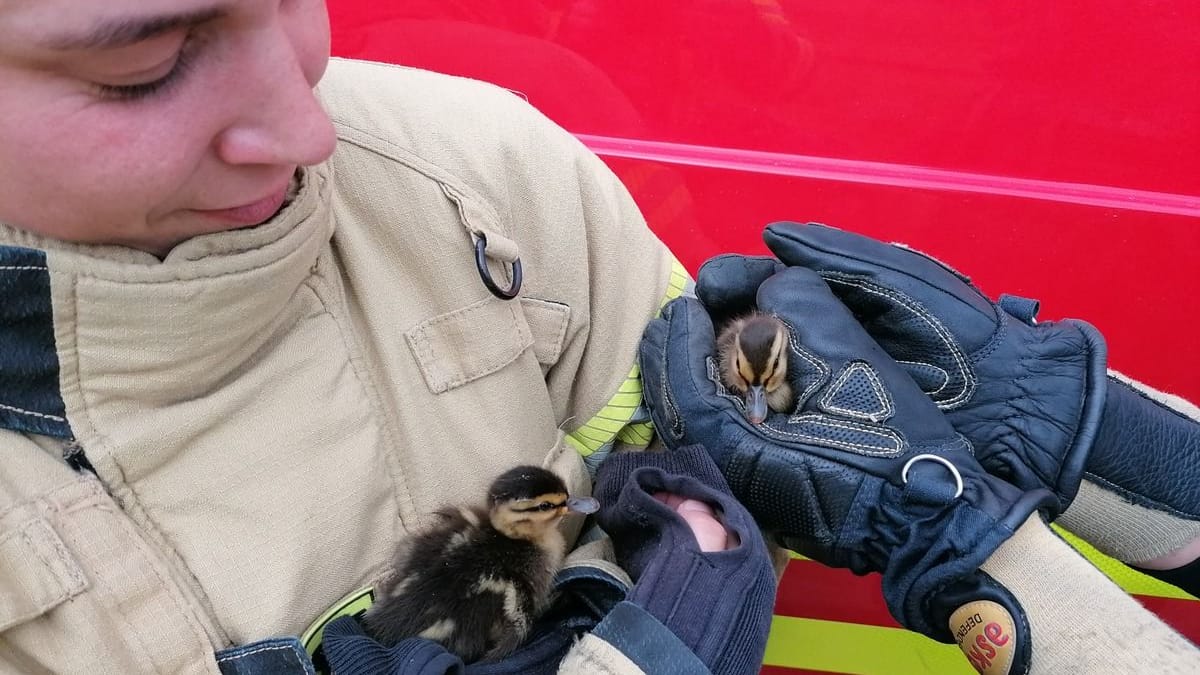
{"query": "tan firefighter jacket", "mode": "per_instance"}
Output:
(269, 411)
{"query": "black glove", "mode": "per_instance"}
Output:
(1032, 397)
(866, 474)
(1029, 396)
(350, 651)
(718, 603)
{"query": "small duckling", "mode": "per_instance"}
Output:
(476, 581)
(753, 356)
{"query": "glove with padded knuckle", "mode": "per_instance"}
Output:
(1028, 396)
(1033, 398)
(866, 473)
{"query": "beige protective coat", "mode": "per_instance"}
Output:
(271, 410)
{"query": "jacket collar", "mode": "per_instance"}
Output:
(104, 326)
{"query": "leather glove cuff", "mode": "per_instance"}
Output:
(676, 582)
(1145, 448)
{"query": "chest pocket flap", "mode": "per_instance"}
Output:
(39, 573)
(466, 344)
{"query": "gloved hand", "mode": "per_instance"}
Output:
(866, 474)
(1031, 397)
(350, 651)
(1028, 396)
(718, 604)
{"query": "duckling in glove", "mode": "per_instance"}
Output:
(476, 581)
(753, 356)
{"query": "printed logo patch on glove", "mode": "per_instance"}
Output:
(985, 632)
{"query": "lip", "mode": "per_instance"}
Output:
(251, 213)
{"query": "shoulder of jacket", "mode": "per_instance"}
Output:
(458, 124)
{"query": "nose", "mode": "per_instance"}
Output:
(282, 122)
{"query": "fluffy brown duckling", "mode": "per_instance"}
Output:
(476, 581)
(753, 356)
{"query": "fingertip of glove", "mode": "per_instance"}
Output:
(669, 308)
(787, 230)
(693, 461)
(726, 261)
(720, 260)
(727, 283)
(819, 245)
(787, 286)
(785, 226)
(683, 303)
(686, 315)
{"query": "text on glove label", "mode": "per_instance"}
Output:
(985, 633)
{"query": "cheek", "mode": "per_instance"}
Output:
(72, 169)
(144, 153)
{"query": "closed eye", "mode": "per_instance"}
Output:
(142, 90)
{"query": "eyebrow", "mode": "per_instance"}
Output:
(126, 31)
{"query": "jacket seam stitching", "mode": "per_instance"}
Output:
(439, 174)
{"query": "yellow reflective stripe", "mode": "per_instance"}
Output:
(627, 398)
(638, 435)
(612, 422)
(677, 283)
(839, 647)
(612, 418)
(1129, 579)
(583, 449)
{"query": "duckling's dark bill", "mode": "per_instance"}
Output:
(756, 404)
(583, 505)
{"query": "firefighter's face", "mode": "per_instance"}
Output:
(147, 122)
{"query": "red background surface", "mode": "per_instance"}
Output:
(1103, 94)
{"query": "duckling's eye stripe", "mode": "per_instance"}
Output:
(541, 507)
(743, 367)
(775, 364)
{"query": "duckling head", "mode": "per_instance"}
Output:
(527, 502)
(754, 363)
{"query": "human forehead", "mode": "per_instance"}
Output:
(48, 25)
